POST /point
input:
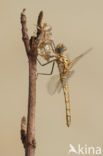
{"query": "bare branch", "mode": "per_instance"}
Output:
(28, 136)
(39, 21)
(25, 36)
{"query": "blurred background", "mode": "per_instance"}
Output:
(79, 25)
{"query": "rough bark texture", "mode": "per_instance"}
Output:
(28, 135)
(30, 142)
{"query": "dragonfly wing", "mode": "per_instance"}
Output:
(53, 84)
(60, 86)
(71, 73)
(75, 60)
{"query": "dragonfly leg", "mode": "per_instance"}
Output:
(51, 56)
(53, 46)
(47, 73)
(45, 63)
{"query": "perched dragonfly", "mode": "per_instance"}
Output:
(64, 66)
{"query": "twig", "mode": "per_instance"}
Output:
(31, 50)
(39, 23)
(24, 31)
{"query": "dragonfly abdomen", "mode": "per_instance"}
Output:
(67, 103)
(64, 73)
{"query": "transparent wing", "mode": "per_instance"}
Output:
(75, 60)
(53, 84)
(71, 73)
(60, 86)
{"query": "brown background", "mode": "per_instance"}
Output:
(78, 24)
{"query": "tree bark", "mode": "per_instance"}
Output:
(30, 142)
(28, 135)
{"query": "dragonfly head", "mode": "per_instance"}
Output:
(60, 48)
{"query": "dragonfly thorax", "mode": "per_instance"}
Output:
(63, 64)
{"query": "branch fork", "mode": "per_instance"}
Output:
(31, 45)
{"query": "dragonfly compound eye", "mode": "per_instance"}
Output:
(60, 48)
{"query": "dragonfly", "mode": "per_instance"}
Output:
(64, 65)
